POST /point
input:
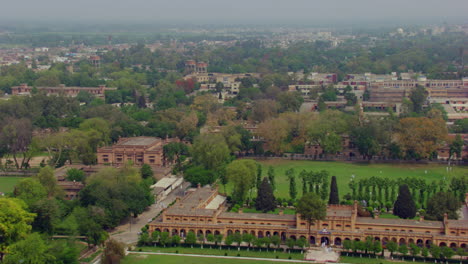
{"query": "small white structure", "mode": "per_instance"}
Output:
(164, 186)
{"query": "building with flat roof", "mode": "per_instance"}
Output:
(203, 211)
(138, 150)
(24, 89)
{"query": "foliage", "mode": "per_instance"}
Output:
(75, 175)
(146, 171)
(210, 151)
(265, 200)
(32, 249)
(334, 197)
(114, 251)
(242, 173)
(311, 208)
(404, 205)
(442, 203)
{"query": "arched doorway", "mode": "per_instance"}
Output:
(442, 244)
(283, 236)
(229, 232)
(275, 233)
(217, 232)
(260, 234)
(182, 233)
(402, 241)
(337, 241)
(385, 241)
(428, 243)
(252, 233)
(324, 241)
(419, 242)
(267, 234)
(377, 238)
(411, 241)
(175, 232)
(312, 240)
(208, 232)
(293, 237)
(200, 232)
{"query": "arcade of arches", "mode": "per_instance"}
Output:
(203, 212)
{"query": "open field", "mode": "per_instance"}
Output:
(150, 259)
(206, 250)
(7, 183)
(344, 170)
(172, 259)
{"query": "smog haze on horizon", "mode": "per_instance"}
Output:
(239, 11)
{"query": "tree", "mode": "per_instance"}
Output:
(276, 240)
(74, 174)
(263, 110)
(271, 177)
(211, 151)
(33, 249)
(404, 205)
(15, 222)
(175, 240)
(334, 197)
(191, 238)
(47, 179)
(265, 199)
(443, 203)
(146, 171)
(456, 146)
(435, 251)
(174, 151)
(114, 251)
(30, 191)
(419, 137)
(392, 246)
(164, 239)
(16, 135)
(447, 252)
(403, 249)
(418, 97)
(292, 183)
(311, 208)
(414, 249)
(290, 101)
(242, 174)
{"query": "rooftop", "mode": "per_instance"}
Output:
(399, 222)
(138, 141)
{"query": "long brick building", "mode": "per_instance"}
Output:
(203, 211)
(24, 89)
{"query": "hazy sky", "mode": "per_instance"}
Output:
(238, 11)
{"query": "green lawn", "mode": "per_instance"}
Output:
(7, 183)
(206, 250)
(151, 259)
(344, 170)
(344, 259)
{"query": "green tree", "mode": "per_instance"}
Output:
(435, 251)
(15, 222)
(404, 205)
(311, 208)
(146, 171)
(33, 249)
(210, 150)
(292, 186)
(418, 97)
(392, 246)
(271, 177)
(265, 200)
(175, 151)
(242, 173)
(442, 203)
(164, 239)
(414, 249)
(74, 174)
(456, 147)
(276, 240)
(47, 179)
(191, 238)
(334, 197)
(403, 249)
(30, 191)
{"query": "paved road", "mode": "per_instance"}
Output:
(128, 232)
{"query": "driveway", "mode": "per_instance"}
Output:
(128, 232)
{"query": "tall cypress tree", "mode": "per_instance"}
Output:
(334, 197)
(292, 187)
(265, 199)
(259, 176)
(271, 177)
(404, 206)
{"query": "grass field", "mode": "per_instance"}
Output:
(206, 250)
(151, 259)
(343, 172)
(7, 183)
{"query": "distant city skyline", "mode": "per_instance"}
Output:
(239, 11)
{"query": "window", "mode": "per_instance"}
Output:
(151, 160)
(106, 160)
